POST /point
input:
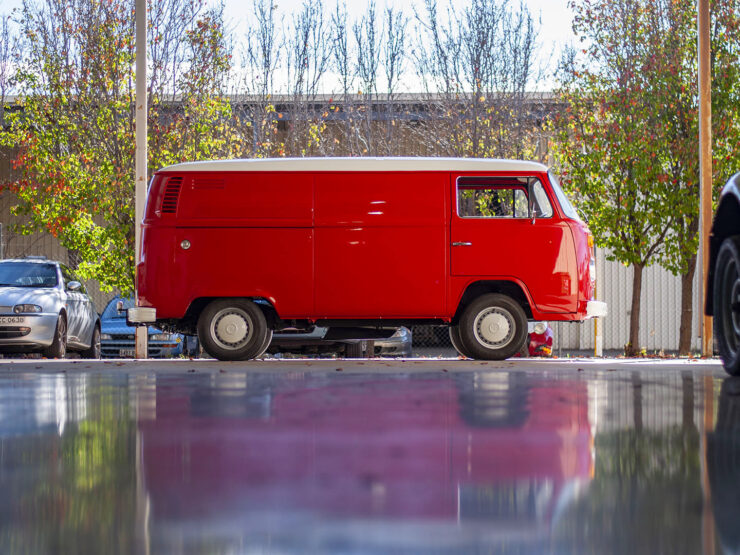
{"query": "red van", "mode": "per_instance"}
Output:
(236, 249)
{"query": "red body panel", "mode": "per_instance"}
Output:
(348, 245)
(380, 245)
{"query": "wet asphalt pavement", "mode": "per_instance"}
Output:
(380, 456)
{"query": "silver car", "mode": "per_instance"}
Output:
(45, 307)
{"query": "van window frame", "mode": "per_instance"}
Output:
(525, 186)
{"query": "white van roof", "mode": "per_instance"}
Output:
(359, 164)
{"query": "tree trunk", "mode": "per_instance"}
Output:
(687, 312)
(633, 347)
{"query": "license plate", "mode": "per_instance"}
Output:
(128, 353)
(12, 320)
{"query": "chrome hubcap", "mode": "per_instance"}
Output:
(494, 327)
(231, 328)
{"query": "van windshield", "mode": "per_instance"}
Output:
(568, 209)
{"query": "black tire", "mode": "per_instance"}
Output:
(268, 340)
(58, 347)
(94, 350)
(726, 304)
(232, 329)
(493, 327)
(353, 350)
(454, 332)
(524, 349)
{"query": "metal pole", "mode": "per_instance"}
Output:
(705, 163)
(141, 154)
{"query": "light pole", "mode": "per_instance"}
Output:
(705, 163)
(141, 156)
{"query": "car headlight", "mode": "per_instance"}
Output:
(21, 308)
(161, 337)
(106, 336)
(540, 327)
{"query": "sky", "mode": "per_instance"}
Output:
(554, 16)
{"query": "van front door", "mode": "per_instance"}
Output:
(506, 228)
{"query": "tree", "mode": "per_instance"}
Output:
(307, 61)
(75, 136)
(627, 140)
(255, 115)
(8, 50)
(475, 70)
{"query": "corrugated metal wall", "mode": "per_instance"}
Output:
(660, 310)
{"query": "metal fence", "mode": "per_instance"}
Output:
(659, 319)
(660, 314)
(16, 245)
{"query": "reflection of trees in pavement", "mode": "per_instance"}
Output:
(646, 494)
(723, 465)
(72, 490)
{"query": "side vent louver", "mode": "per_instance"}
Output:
(171, 195)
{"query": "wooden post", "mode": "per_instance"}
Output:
(141, 155)
(705, 163)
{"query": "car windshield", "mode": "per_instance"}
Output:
(568, 209)
(111, 311)
(28, 274)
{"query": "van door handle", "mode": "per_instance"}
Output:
(462, 244)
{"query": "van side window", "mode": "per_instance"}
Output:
(501, 197)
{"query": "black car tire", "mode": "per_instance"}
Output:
(353, 350)
(493, 327)
(524, 349)
(94, 350)
(266, 344)
(726, 304)
(454, 332)
(58, 347)
(232, 329)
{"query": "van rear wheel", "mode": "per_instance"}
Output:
(493, 327)
(233, 329)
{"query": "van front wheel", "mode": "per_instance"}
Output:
(233, 329)
(493, 327)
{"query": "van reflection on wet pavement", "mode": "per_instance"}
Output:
(493, 459)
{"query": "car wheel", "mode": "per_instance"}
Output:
(493, 327)
(94, 350)
(353, 350)
(266, 344)
(524, 349)
(58, 347)
(454, 332)
(726, 303)
(232, 329)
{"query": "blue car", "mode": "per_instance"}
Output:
(117, 338)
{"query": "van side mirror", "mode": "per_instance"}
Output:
(74, 286)
(119, 307)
